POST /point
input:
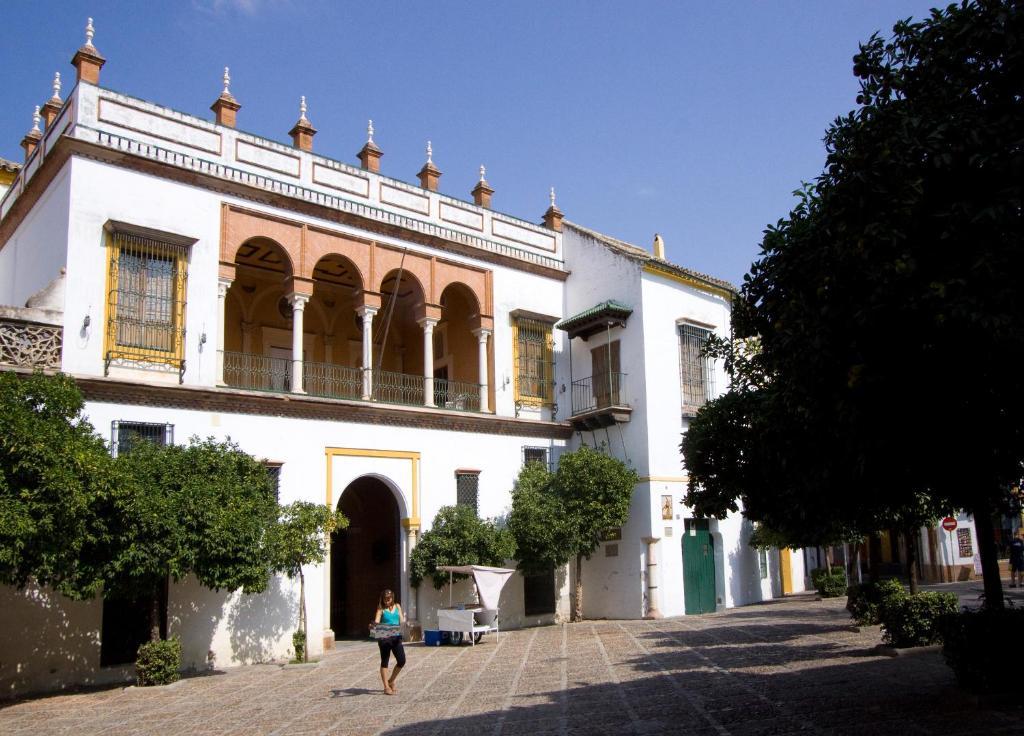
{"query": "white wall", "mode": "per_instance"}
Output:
(36, 252)
(300, 445)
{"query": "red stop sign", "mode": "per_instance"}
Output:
(949, 523)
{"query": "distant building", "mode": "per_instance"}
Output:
(386, 348)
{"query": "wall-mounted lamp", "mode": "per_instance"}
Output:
(202, 339)
(86, 322)
(561, 389)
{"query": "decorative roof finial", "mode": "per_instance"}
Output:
(430, 153)
(302, 107)
(482, 172)
(227, 81)
(36, 118)
(369, 131)
(552, 196)
(56, 85)
(89, 33)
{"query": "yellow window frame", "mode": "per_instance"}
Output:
(540, 389)
(145, 247)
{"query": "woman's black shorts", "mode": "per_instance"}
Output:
(391, 644)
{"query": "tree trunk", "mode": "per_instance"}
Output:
(828, 559)
(908, 536)
(154, 615)
(982, 513)
(302, 614)
(577, 614)
(856, 560)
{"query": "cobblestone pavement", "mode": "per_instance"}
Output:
(787, 667)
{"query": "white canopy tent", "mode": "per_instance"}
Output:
(489, 581)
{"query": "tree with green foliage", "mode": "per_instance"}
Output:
(537, 522)
(299, 538)
(887, 304)
(593, 492)
(57, 481)
(459, 537)
(206, 509)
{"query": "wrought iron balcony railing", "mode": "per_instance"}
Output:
(457, 395)
(332, 381)
(397, 388)
(264, 373)
(259, 372)
(599, 391)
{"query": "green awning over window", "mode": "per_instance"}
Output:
(596, 319)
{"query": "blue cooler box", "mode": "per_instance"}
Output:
(432, 638)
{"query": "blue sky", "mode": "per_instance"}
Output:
(693, 119)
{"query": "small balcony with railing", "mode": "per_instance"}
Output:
(600, 399)
(32, 337)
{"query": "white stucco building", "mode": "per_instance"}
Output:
(386, 348)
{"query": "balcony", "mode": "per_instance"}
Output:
(599, 401)
(27, 343)
(330, 381)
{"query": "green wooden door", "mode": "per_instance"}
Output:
(698, 567)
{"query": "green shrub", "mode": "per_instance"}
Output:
(158, 662)
(299, 643)
(829, 583)
(984, 649)
(913, 620)
(862, 601)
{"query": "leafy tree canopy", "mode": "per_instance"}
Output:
(537, 522)
(206, 508)
(886, 304)
(594, 491)
(459, 537)
(300, 537)
(56, 485)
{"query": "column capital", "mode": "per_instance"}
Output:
(482, 333)
(297, 300)
(650, 540)
(427, 323)
(366, 310)
(223, 284)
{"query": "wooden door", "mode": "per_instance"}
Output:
(698, 567)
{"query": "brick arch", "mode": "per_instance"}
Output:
(240, 226)
(415, 266)
(320, 244)
(468, 279)
(472, 297)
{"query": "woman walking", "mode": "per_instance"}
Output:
(390, 613)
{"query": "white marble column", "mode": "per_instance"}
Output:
(298, 302)
(428, 325)
(367, 313)
(481, 336)
(652, 578)
(222, 299)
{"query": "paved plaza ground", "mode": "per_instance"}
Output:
(786, 667)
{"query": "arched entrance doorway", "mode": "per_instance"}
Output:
(365, 557)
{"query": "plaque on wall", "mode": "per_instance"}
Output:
(963, 538)
(612, 535)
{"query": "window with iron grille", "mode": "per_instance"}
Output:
(536, 455)
(696, 371)
(274, 471)
(534, 362)
(123, 435)
(145, 298)
(467, 489)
